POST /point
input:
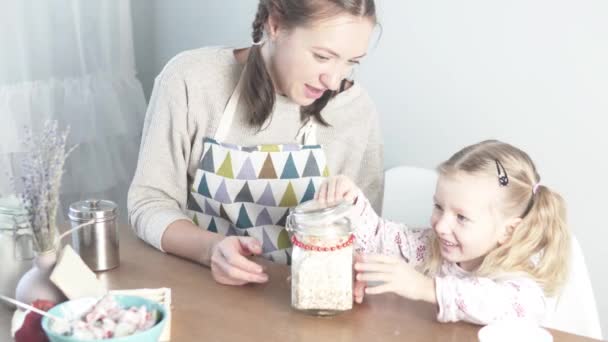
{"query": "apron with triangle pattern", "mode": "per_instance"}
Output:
(248, 190)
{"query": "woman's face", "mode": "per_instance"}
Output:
(304, 62)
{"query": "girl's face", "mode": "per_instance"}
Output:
(304, 62)
(465, 218)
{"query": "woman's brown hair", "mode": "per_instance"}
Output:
(259, 92)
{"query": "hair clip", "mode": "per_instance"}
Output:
(503, 178)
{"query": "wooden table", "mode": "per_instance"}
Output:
(205, 310)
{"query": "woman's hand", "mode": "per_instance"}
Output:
(395, 275)
(335, 189)
(229, 262)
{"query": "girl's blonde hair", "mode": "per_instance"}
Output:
(540, 245)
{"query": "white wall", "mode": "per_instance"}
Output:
(450, 73)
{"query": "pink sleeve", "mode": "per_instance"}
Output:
(483, 300)
(374, 235)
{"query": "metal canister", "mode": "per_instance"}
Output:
(96, 243)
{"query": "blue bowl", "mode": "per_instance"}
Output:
(82, 305)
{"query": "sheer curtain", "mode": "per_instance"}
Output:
(73, 61)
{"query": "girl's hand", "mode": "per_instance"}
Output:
(359, 288)
(395, 275)
(229, 263)
(335, 189)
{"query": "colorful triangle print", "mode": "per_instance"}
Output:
(203, 187)
(289, 197)
(192, 204)
(283, 219)
(207, 162)
(209, 209)
(212, 226)
(291, 147)
(231, 231)
(247, 171)
(326, 171)
(226, 169)
(311, 147)
(264, 218)
(312, 168)
(310, 192)
(210, 140)
(221, 195)
(223, 214)
(289, 171)
(267, 171)
(195, 220)
(267, 245)
(230, 146)
(267, 197)
(243, 221)
(283, 240)
(244, 195)
(270, 148)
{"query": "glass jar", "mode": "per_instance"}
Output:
(322, 258)
(16, 245)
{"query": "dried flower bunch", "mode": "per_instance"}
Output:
(41, 171)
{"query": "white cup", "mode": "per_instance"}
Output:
(509, 331)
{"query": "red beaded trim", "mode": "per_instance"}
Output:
(300, 244)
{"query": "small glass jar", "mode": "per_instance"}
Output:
(322, 258)
(16, 244)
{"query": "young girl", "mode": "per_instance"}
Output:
(498, 247)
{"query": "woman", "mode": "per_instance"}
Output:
(234, 138)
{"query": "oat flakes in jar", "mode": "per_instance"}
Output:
(322, 258)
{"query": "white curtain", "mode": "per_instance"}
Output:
(73, 61)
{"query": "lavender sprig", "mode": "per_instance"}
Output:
(42, 169)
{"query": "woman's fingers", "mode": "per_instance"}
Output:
(237, 260)
(229, 264)
(250, 245)
(236, 274)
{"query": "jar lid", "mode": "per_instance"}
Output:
(315, 217)
(89, 209)
(11, 206)
(12, 214)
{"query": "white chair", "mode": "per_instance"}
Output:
(408, 196)
(575, 310)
